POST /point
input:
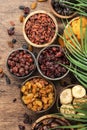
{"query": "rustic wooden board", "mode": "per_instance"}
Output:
(11, 114)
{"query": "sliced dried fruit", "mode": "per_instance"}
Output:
(66, 96)
(67, 110)
(78, 91)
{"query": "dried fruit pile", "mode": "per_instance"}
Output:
(20, 63)
(62, 8)
(38, 94)
(72, 98)
(49, 59)
(40, 28)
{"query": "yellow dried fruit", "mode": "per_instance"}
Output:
(30, 48)
(23, 89)
(38, 94)
(33, 5)
(1, 70)
(21, 19)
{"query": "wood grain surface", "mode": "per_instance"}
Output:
(11, 113)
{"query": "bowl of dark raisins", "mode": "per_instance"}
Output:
(21, 63)
(49, 62)
(40, 28)
(50, 121)
(61, 10)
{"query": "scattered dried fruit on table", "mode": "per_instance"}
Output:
(11, 31)
(1, 70)
(14, 41)
(15, 99)
(30, 48)
(33, 5)
(10, 44)
(38, 94)
(12, 23)
(21, 19)
(26, 10)
(21, 127)
(21, 7)
(24, 46)
(27, 119)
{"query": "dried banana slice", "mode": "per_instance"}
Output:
(77, 102)
(78, 91)
(67, 110)
(66, 96)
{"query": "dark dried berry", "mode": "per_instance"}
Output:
(14, 41)
(8, 81)
(10, 32)
(26, 10)
(24, 46)
(27, 119)
(21, 127)
(14, 100)
(21, 7)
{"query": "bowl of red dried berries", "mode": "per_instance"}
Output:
(40, 28)
(49, 62)
(38, 94)
(21, 63)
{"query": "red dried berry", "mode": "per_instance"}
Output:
(26, 10)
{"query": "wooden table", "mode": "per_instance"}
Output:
(11, 113)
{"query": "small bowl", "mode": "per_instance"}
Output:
(41, 94)
(39, 38)
(59, 15)
(47, 64)
(70, 101)
(48, 120)
(21, 63)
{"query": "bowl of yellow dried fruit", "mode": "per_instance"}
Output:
(38, 94)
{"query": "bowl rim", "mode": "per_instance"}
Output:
(26, 76)
(55, 95)
(56, 28)
(59, 15)
(49, 116)
(37, 64)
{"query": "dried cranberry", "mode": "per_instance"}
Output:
(21, 127)
(26, 10)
